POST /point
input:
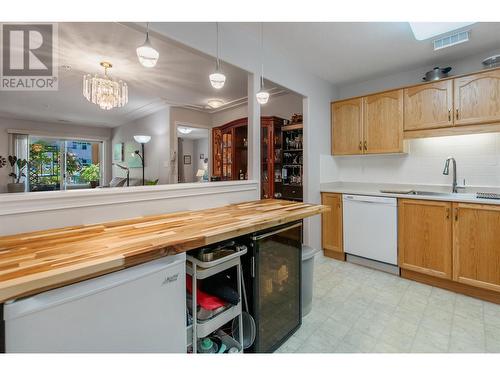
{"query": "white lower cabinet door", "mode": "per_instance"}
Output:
(138, 309)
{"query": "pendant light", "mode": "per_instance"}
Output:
(262, 95)
(217, 79)
(147, 55)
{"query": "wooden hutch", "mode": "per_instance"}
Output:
(230, 151)
(281, 156)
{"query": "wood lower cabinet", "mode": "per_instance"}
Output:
(347, 129)
(428, 106)
(477, 98)
(383, 123)
(425, 237)
(331, 226)
(476, 247)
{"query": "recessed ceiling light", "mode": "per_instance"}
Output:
(426, 30)
(184, 130)
(215, 103)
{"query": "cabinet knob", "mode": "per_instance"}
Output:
(366, 145)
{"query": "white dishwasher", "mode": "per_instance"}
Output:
(138, 309)
(370, 228)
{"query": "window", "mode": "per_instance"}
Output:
(59, 164)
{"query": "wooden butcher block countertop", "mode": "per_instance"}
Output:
(43, 260)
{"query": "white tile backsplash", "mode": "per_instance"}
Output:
(477, 155)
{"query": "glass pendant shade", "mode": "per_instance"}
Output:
(147, 55)
(262, 96)
(217, 80)
(104, 91)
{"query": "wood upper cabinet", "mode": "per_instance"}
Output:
(347, 127)
(428, 106)
(477, 98)
(331, 225)
(425, 237)
(476, 247)
(383, 122)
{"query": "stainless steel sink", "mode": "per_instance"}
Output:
(431, 193)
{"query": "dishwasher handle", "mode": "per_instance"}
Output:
(370, 199)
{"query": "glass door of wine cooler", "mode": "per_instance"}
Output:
(277, 285)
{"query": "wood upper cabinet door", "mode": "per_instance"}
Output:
(477, 98)
(428, 106)
(331, 223)
(383, 122)
(425, 237)
(476, 246)
(346, 127)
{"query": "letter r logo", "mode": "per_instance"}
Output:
(27, 50)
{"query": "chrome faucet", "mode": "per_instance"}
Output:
(446, 171)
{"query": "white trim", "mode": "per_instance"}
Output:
(21, 203)
(60, 135)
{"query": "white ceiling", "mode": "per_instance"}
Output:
(179, 78)
(347, 52)
(340, 53)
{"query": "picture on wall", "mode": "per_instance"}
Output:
(187, 159)
(118, 150)
(131, 159)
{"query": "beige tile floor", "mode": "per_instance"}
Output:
(360, 310)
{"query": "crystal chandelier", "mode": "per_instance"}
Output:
(104, 91)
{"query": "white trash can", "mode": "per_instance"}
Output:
(308, 254)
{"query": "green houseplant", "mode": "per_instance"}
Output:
(91, 175)
(18, 173)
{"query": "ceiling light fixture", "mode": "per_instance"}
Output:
(262, 95)
(217, 79)
(184, 130)
(147, 55)
(426, 30)
(103, 90)
(215, 103)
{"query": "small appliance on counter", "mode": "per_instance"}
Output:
(436, 74)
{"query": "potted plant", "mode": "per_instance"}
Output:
(18, 167)
(91, 175)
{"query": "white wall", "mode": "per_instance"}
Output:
(283, 106)
(65, 130)
(478, 156)
(157, 151)
(187, 149)
(478, 161)
(200, 147)
(223, 117)
(241, 49)
(463, 66)
(26, 212)
(187, 117)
